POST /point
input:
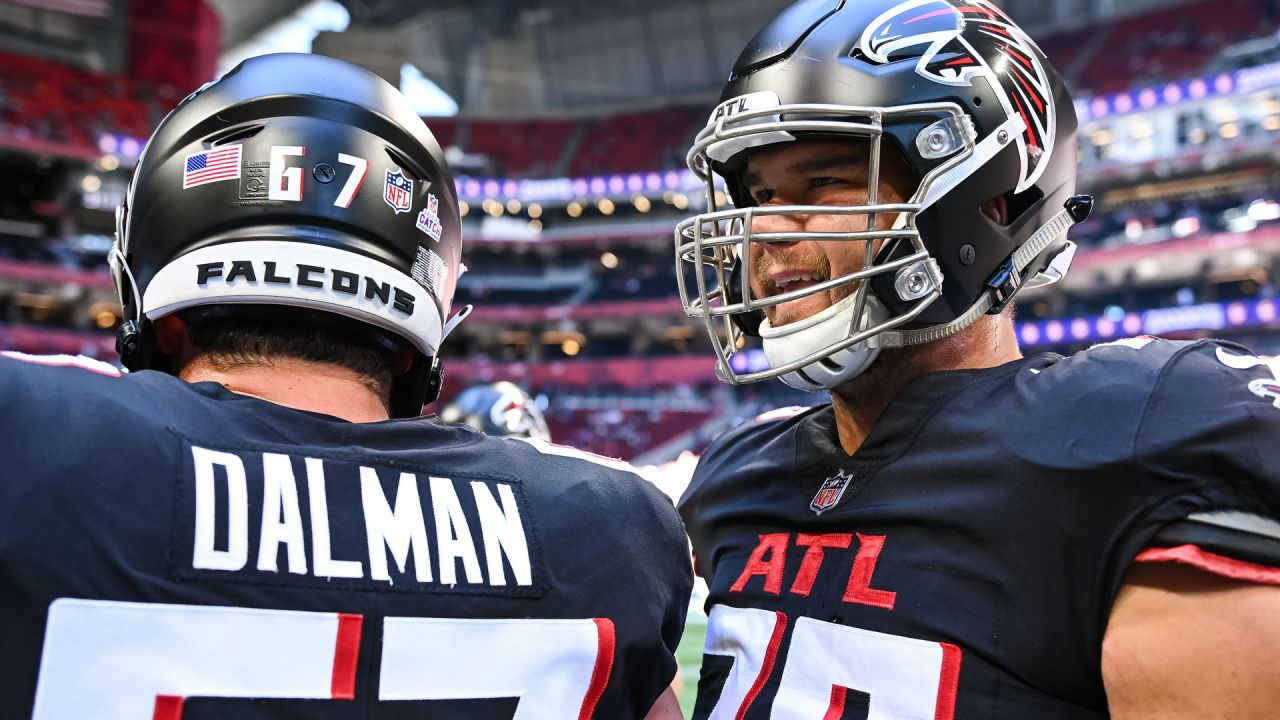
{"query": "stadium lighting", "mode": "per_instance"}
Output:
(1142, 130)
(513, 206)
(574, 209)
(642, 203)
(108, 163)
(1186, 227)
(609, 260)
(463, 208)
(1147, 269)
(1271, 123)
(293, 33)
(680, 201)
(605, 206)
(428, 98)
(1264, 210)
(570, 347)
(91, 183)
(1229, 131)
(535, 225)
(104, 315)
(535, 210)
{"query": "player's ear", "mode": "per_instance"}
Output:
(171, 335)
(401, 362)
(997, 208)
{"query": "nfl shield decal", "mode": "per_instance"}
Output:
(398, 191)
(831, 492)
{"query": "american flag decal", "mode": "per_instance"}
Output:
(210, 166)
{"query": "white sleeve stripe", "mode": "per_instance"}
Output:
(1241, 521)
(79, 361)
(547, 448)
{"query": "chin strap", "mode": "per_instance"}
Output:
(455, 321)
(1006, 282)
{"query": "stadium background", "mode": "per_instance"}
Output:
(572, 119)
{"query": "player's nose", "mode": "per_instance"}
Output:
(769, 232)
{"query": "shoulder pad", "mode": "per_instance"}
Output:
(1237, 535)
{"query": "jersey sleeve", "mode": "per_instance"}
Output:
(655, 555)
(625, 549)
(721, 464)
(1212, 428)
(701, 494)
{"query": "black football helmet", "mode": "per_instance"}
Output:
(500, 409)
(975, 110)
(298, 181)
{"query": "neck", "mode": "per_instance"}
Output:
(298, 384)
(859, 403)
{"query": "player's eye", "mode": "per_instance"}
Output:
(761, 196)
(818, 182)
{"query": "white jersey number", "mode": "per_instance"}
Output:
(906, 679)
(133, 661)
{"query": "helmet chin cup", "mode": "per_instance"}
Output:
(815, 336)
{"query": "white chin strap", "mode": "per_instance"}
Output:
(796, 341)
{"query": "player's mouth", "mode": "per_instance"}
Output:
(788, 281)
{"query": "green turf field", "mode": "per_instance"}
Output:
(689, 653)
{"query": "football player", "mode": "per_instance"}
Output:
(255, 523)
(962, 531)
(501, 409)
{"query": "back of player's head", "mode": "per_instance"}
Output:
(294, 181)
(952, 91)
(501, 409)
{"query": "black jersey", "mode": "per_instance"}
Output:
(963, 563)
(172, 550)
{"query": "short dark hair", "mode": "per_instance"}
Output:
(253, 336)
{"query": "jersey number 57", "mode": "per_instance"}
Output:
(135, 661)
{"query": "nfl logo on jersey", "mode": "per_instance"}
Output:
(398, 192)
(830, 493)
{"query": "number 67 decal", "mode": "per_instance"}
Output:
(134, 661)
(906, 679)
(287, 183)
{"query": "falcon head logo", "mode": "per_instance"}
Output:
(1267, 389)
(958, 40)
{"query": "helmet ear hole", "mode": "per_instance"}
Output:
(1019, 204)
(997, 209)
(171, 332)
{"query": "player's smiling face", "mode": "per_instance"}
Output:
(815, 172)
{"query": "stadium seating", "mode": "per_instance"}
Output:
(72, 106)
(1162, 45)
(529, 148)
(638, 142)
(621, 142)
(621, 433)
